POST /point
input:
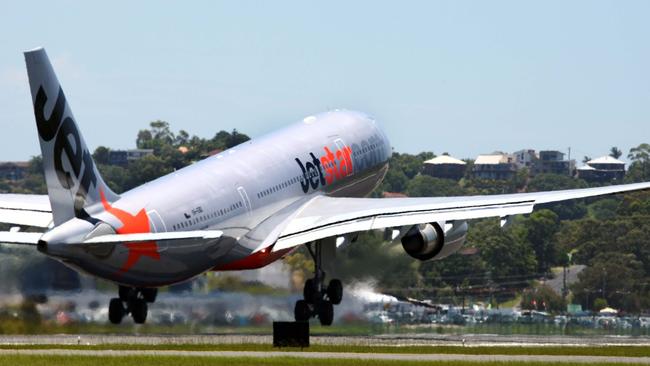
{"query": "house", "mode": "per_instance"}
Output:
(553, 162)
(525, 158)
(13, 170)
(603, 169)
(446, 167)
(124, 157)
(498, 166)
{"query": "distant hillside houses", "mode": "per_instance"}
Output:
(603, 169)
(504, 166)
(444, 166)
(497, 166)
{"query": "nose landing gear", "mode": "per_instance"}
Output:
(319, 300)
(131, 301)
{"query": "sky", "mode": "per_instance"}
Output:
(463, 77)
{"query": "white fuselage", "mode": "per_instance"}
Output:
(339, 153)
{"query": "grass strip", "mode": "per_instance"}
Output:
(612, 351)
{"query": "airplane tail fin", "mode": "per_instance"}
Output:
(73, 181)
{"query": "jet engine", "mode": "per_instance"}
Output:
(435, 240)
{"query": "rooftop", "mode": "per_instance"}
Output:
(445, 159)
(491, 159)
(605, 160)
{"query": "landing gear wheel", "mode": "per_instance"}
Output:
(149, 294)
(318, 300)
(310, 291)
(326, 312)
(125, 293)
(301, 312)
(138, 308)
(116, 311)
(335, 291)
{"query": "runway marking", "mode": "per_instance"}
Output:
(337, 355)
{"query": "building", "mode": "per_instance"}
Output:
(553, 162)
(124, 157)
(13, 170)
(497, 166)
(603, 169)
(446, 167)
(525, 158)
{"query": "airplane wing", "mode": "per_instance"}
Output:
(323, 217)
(25, 209)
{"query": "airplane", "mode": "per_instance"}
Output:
(306, 184)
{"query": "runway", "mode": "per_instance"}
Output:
(424, 339)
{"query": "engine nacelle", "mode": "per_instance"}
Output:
(436, 240)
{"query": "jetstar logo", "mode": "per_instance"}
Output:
(67, 142)
(133, 224)
(332, 166)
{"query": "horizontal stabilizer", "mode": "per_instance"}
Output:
(25, 209)
(17, 237)
(142, 237)
(26, 218)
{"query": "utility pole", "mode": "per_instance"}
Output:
(604, 282)
(564, 289)
(570, 162)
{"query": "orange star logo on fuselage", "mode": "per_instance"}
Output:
(133, 224)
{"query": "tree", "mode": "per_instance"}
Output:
(36, 165)
(181, 138)
(542, 298)
(117, 177)
(426, 186)
(615, 152)
(640, 157)
(225, 140)
(616, 277)
(505, 254)
(146, 169)
(158, 135)
(573, 209)
(372, 259)
(236, 138)
(541, 227)
(410, 165)
(394, 181)
(101, 155)
(604, 209)
(554, 182)
(160, 131)
(144, 140)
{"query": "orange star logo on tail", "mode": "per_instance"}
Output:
(133, 224)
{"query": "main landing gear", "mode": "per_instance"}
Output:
(131, 300)
(319, 300)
